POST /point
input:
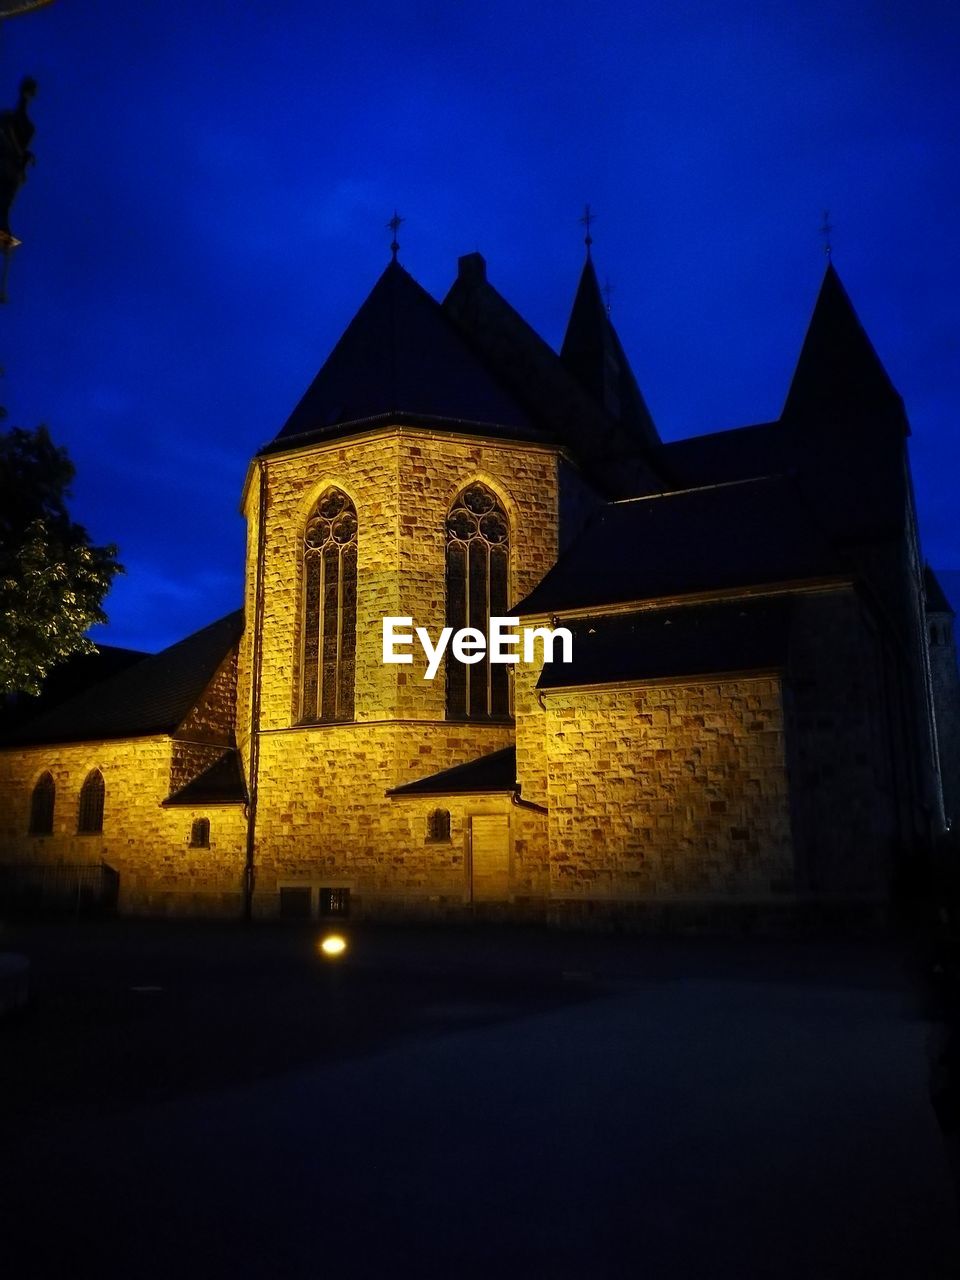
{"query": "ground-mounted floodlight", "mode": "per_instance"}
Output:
(332, 945)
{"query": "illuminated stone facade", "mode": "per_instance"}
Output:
(734, 739)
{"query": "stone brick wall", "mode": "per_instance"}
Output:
(666, 791)
(145, 843)
(402, 483)
(322, 808)
(391, 865)
(208, 728)
(212, 718)
(844, 747)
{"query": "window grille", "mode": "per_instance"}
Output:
(329, 610)
(438, 825)
(200, 833)
(90, 816)
(334, 902)
(477, 587)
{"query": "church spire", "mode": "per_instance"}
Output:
(839, 376)
(592, 352)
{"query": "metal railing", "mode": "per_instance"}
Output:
(86, 888)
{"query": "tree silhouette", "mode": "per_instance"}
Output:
(52, 580)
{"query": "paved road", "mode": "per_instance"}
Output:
(501, 1103)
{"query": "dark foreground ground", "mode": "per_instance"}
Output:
(213, 1102)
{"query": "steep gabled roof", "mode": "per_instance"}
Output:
(494, 772)
(936, 598)
(222, 783)
(612, 455)
(151, 697)
(65, 681)
(839, 375)
(593, 353)
(722, 538)
(665, 644)
(401, 359)
(743, 453)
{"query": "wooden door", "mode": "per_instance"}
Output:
(490, 857)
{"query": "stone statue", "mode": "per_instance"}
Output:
(16, 133)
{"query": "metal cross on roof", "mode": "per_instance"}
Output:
(585, 222)
(394, 225)
(826, 228)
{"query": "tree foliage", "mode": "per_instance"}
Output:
(52, 580)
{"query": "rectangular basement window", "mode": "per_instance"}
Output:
(295, 903)
(334, 902)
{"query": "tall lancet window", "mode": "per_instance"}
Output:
(478, 557)
(329, 610)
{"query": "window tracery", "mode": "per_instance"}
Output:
(477, 587)
(329, 610)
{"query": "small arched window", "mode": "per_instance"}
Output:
(41, 806)
(477, 582)
(438, 825)
(90, 814)
(329, 643)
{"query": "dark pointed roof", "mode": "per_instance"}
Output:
(755, 533)
(839, 375)
(743, 453)
(66, 680)
(222, 783)
(494, 772)
(151, 697)
(592, 352)
(401, 359)
(613, 456)
(667, 644)
(937, 601)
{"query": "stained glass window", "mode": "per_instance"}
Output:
(329, 610)
(478, 549)
(90, 815)
(41, 806)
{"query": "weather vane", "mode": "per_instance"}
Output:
(585, 222)
(394, 226)
(826, 228)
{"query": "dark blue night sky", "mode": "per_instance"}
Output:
(212, 182)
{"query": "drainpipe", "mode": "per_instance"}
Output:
(250, 867)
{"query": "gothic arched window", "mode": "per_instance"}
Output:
(90, 814)
(438, 825)
(478, 558)
(41, 806)
(329, 610)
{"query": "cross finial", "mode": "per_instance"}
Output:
(585, 222)
(826, 228)
(607, 292)
(394, 226)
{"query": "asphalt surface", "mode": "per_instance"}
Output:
(212, 1102)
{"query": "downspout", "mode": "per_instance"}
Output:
(518, 800)
(250, 867)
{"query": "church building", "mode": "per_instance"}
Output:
(746, 730)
